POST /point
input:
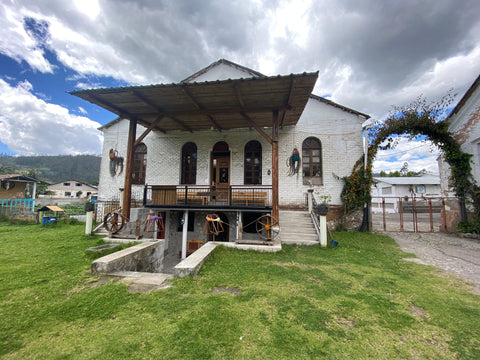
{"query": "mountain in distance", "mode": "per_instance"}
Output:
(53, 169)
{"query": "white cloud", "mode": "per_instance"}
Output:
(370, 56)
(418, 154)
(31, 126)
(16, 43)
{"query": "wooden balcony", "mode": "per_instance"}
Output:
(207, 197)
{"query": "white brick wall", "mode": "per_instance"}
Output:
(339, 132)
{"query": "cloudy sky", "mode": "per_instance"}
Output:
(370, 54)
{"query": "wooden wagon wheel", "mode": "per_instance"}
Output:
(267, 227)
(114, 222)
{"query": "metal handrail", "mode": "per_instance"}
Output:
(314, 216)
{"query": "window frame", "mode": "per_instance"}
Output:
(188, 163)
(139, 165)
(309, 162)
(252, 152)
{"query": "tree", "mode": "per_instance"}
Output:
(414, 120)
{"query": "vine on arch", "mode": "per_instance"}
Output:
(417, 119)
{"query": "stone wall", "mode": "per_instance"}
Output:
(145, 257)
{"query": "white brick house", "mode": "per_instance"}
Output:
(252, 164)
(70, 189)
(464, 124)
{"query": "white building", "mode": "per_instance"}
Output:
(220, 141)
(464, 124)
(391, 190)
(71, 189)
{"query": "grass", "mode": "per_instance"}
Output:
(357, 301)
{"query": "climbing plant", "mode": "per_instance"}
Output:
(414, 120)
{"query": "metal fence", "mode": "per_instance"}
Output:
(12, 207)
(414, 214)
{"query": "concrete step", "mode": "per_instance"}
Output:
(297, 228)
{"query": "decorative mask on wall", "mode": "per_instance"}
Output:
(293, 162)
(116, 163)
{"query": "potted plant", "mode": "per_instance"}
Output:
(322, 207)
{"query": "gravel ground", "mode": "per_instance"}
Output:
(451, 253)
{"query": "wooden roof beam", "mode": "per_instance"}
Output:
(242, 104)
(149, 129)
(114, 108)
(181, 123)
(199, 107)
(292, 83)
(258, 128)
(230, 110)
(121, 112)
(160, 110)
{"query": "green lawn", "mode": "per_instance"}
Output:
(359, 300)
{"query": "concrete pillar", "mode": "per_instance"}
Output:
(34, 191)
(184, 234)
(323, 230)
(88, 223)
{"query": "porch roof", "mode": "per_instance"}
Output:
(222, 105)
(18, 177)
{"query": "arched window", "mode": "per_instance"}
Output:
(189, 164)
(139, 164)
(312, 161)
(253, 163)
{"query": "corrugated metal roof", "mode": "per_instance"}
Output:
(226, 104)
(51, 208)
(407, 180)
(18, 177)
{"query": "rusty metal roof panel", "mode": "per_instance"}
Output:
(196, 104)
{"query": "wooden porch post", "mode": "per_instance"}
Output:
(127, 192)
(275, 165)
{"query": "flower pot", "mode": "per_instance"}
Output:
(322, 209)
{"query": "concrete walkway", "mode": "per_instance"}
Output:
(454, 254)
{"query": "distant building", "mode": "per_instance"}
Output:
(394, 188)
(72, 189)
(17, 194)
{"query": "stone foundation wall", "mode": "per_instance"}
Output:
(145, 257)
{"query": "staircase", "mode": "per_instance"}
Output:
(297, 228)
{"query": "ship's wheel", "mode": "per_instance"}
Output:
(114, 222)
(267, 227)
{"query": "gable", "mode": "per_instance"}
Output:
(222, 70)
(464, 120)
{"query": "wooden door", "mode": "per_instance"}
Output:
(221, 176)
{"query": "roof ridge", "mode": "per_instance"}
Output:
(195, 75)
(347, 109)
(464, 98)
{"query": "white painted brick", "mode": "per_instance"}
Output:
(339, 132)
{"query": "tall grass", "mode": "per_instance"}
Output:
(360, 300)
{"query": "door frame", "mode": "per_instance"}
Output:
(223, 153)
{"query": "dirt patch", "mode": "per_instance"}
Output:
(416, 311)
(224, 289)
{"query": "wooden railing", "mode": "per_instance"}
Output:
(234, 196)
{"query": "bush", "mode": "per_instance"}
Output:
(469, 226)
